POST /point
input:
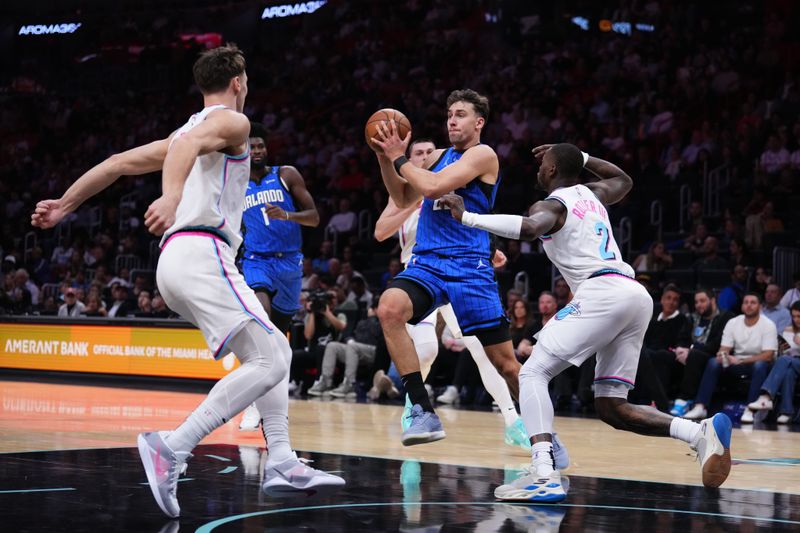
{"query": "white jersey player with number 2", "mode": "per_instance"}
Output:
(608, 315)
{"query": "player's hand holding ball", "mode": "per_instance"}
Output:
(388, 132)
(453, 202)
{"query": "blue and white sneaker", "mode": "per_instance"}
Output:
(713, 448)
(405, 418)
(680, 407)
(424, 427)
(530, 487)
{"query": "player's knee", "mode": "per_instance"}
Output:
(394, 308)
(509, 369)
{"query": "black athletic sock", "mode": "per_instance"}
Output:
(416, 390)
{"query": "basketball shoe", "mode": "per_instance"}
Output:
(530, 487)
(423, 427)
(713, 448)
(294, 477)
(162, 466)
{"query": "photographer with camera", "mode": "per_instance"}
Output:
(322, 324)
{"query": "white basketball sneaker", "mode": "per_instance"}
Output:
(162, 466)
(251, 419)
(529, 487)
(713, 448)
(293, 478)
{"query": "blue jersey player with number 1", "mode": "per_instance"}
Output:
(450, 262)
(276, 204)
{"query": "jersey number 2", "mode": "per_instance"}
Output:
(602, 230)
(266, 218)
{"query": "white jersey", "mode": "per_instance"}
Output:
(585, 245)
(408, 236)
(214, 191)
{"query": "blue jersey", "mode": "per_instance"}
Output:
(263, 235)
(439, 233)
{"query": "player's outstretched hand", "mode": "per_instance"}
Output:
(454, 203)
(47, 214)
(389, 140)
(539, 151)
(276, 213)
(160, 215)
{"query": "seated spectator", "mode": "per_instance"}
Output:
(668, 329)
(657, 259)
(160, 309)
(709, 259)
(359, 292)
(730, 298)
(793, 294)
(783, 377)
(119, 306)
(562, 292)
(320, 262)
(345, 220)
(358, 350)
(547, 310)
(395, 267)
(523, 325)
(760, 279)
(347, 275)
(144, 305)
(310, 280)
(749, 343)
(94, 306)
(512, 295)
(683, 367)
(738, 251)
(23, 281)
(71, 307)
(763, 223)
(773, 309)
(775, 157)
(322, 324)
(697, 239)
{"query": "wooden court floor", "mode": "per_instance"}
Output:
(48, 417)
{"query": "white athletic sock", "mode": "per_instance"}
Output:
(261, 369)
(542, 458)
(494, 383)
(684, 430)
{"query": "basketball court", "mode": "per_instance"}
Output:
(70, 464)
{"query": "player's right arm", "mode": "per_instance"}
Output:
(403, 194)
(392, 219)
(221, 130)
(546, 216)
(614, 183)
(136, 161)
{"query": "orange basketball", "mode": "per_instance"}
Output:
(385, 115)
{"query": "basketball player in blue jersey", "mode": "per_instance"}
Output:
(276, 204)
(608, 315)
(205, 166)
(450, 263)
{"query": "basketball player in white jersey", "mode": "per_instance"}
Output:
(206, 168)
(404, 221)
(608, 314)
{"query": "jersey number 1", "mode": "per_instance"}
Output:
(266, 218)
(602, 230)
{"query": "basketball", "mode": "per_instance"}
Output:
(385, 115)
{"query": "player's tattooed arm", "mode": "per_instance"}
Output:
(307, 214)
(614, 183)
(545, 217)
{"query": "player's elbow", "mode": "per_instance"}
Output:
(313, 220)
(381, 232)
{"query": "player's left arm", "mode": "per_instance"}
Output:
(478, 161)
(614, 183)
(308, 214)
(544, 217)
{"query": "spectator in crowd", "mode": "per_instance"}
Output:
(730, 298)
(763, 223)
(783, 377)
(144, 305)
(120, 306)
(562, 292)
(761, 278)
(668, 330)
(793, 294)
(160, 309)
(310, 280)
(348, 273)
(547, 309)
(72, 307)
(773, 309)
(359, 292)
(709, 258)
(23, 282)
(395, 267)
(523, 325)
(682, 368)
(775, 157)
(345, 220)
(738, 251)
(353, 352)
(657, 259)
(697, 239)
(323, 323)
(749, 343)
(320, 262)
(512, 295)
